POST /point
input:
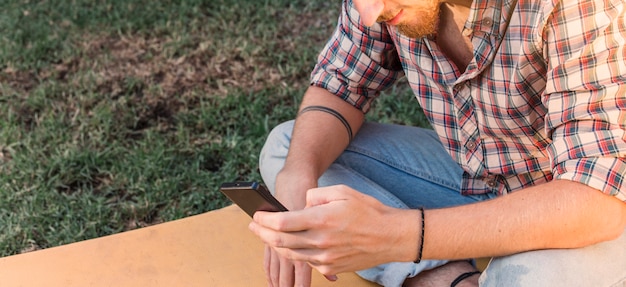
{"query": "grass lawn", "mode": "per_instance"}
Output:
(116, 115)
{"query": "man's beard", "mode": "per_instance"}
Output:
(427, 19)
(429, 22)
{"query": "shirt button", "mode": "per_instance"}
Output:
(470, 145)
(491, 180)
(487, 21)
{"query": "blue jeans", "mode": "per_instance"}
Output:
(407, 167)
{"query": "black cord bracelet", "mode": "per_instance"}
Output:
(421, 248)
(463, 277)
(332, 112)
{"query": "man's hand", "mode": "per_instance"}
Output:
(340, 230)
(284, 272)
(310, 154)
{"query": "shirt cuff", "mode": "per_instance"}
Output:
(602, 173)
(361, 100)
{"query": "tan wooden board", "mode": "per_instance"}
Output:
(212, 249)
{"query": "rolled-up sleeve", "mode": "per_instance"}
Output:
(586, 93)
(356, 63)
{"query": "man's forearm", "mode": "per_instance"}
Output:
(559, 214)
(319, 138)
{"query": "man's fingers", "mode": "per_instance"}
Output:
(291, 221)
(277, 239)
(303, 274)
(282, 221)
(300, 220)
(304, 262)
(286, 272)
(273, 273)
(267, 264)
(281, 271)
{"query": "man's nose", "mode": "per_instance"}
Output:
(369, 10)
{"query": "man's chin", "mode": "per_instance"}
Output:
(417, 32)
(427, 25)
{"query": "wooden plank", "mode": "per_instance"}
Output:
(212, 249)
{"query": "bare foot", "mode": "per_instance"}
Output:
(444, 275)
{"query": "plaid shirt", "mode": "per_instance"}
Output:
(543, 98)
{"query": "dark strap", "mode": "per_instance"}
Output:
(463, 277)
(336, 114)
(421, 246)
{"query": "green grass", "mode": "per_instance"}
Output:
(117, 114)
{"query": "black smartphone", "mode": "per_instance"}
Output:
(251, 197)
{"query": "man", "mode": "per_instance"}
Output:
(526, 162)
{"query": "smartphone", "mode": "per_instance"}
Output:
(251, 197)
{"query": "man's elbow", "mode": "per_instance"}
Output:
(622, 220)
(616, 224)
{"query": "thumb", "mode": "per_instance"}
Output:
(328, 194)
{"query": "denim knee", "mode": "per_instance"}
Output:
(599, 265)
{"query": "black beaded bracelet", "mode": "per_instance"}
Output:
(421, 248)
(463, 277)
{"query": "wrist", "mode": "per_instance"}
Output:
(304, 171)
(409, 228)
(291, 188)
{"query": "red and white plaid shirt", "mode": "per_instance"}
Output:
(543, 98)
